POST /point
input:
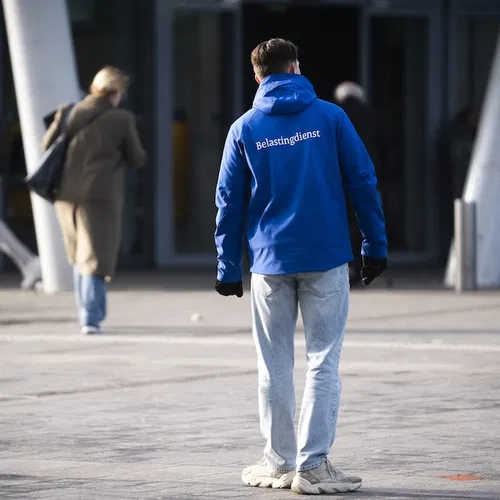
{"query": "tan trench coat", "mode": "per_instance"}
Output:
(90, 203)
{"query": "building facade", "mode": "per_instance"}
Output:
(423, 62)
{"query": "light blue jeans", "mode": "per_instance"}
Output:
(90, 296)
(324, 302)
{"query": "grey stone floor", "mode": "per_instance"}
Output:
(161, 407)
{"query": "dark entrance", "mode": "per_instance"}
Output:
(327, 36)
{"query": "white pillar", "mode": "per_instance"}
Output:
(44, 70)
(483, 187)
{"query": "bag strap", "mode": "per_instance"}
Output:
(65, 116)
(61, 126)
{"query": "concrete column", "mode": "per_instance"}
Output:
(483, 187)
(44, 70)
(164, 92)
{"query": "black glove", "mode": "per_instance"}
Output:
(227, 289)
(372, 268)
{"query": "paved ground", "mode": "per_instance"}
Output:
(162, 407)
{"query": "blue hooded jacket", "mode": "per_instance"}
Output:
(285, 166)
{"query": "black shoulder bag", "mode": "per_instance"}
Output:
(45, 181)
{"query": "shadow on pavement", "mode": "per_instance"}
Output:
(405, 494)
(423, 331)
(38, 320)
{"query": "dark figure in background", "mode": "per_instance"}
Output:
(455, 143)
(375, 135)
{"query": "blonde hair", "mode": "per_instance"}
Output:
(108, 81)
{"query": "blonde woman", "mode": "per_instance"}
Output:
(104, 142)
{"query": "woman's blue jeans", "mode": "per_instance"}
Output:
(90, 295)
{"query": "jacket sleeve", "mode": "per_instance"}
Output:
(360, 182)
(133, 151)
(231, 199)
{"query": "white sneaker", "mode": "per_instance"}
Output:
(263, 476)
(324, 479)
(90, 330)
(32, 274)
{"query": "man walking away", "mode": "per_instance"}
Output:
(375, 135)
(281, 185)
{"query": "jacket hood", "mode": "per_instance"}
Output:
(284, 94)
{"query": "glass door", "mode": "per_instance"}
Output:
(204, 85)
(403, 77)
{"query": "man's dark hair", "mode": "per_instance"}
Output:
(274, 56)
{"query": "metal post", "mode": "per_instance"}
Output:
(44, 70)
(465, 246)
